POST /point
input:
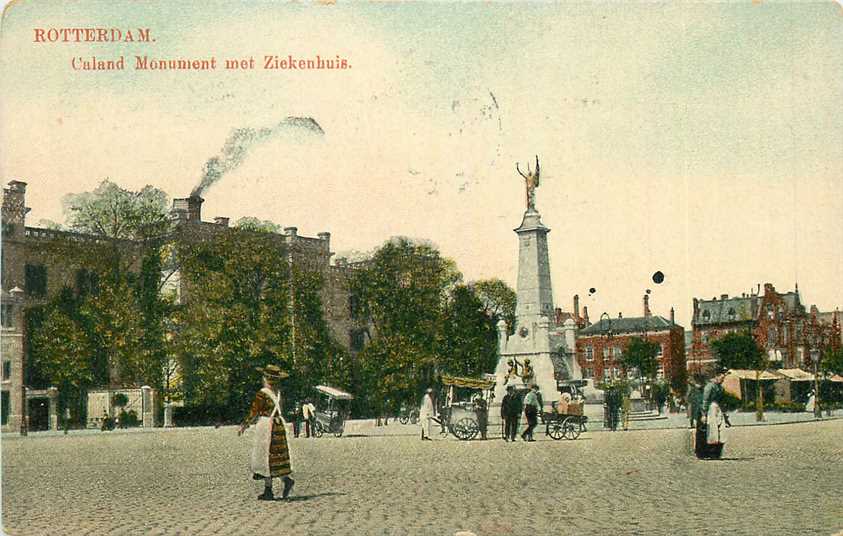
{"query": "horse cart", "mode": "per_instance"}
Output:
(331, 411)
(466, 407)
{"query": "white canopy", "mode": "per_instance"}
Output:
(333, 392)
(796, 375)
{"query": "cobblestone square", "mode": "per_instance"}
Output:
(776, 480)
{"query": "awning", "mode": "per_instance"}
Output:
(796, 375)
(471, 383)
(837, 378)
(333, 392)
(753, 375)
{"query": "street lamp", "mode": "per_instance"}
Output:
(17, 295)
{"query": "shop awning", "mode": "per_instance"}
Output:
(837, 378)
(796, 375)
(753, 375)
(471, 383)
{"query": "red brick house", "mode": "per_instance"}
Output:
(601, 345)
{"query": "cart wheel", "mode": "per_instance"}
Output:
(317, 429)
(338, 431)
(465, 429)
(555, 430)
(403, 419)
(571, 428)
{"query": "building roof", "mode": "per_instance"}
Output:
(637, 324)
(752, 375)
(726, 310)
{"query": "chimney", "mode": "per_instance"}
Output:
(291, 232)
(14, 208)
(558, 315)
(585, 319)
(672, 317)
(326, 239)
(220, 220)
(647, 313)
(188, 208)
(724, 296)
(576, 307)
(620, 315)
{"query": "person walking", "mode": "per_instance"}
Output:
(531, 411)
(426, 415)
(270, 453)
(710, 437)
(694, 398)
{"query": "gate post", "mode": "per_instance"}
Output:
(53, 394)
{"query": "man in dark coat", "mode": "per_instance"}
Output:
(510, 412)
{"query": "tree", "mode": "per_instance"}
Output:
(741, 351)
(112, 211)
(832, 361)
(403, 291)
(498, 301)
(61, 352)
(640, 355)
(249, 223)
(468, 338)
(245, 307)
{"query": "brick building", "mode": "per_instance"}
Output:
(779, 322)
(34, 270)
(600, 346)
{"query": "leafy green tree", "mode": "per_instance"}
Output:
(403, 290)
(741, 351)
(112, 211)
(498, 301)
(640, 355)
(468, 338)
(61, 352)
(832, 361)
(249, 223)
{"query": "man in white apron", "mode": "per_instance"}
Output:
(426, 415)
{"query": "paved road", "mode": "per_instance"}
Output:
(777, 480)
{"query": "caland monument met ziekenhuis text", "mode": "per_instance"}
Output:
(539, 351)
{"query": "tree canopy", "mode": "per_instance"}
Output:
(112, 211)
(640, 355)
(739, 351)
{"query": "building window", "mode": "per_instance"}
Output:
(732, 314)
(5, 408)
(605, 352)
(616, 373)
(661, 350)
(36, 280)
(706, 315)
(587, 373)
(6, 315)
(7, 370)
(589, 353)
(357, 339)
(353, 306)
(618, 353)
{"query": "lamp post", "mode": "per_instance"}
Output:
(17, 295)
(815, 358)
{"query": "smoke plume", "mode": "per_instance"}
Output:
(240, 142)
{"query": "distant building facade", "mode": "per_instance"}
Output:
(34, 271)
(779, 323)
(601, 346)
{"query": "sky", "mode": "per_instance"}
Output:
(701, 140)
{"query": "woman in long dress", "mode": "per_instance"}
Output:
(713, 419)
(270, 453)
(426, 415)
